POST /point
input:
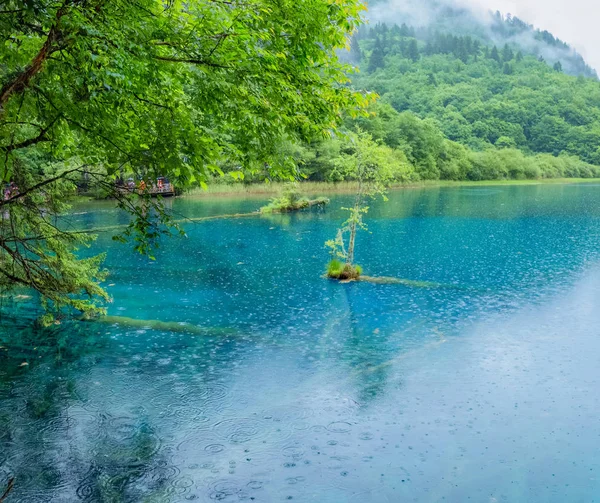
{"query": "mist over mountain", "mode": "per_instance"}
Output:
(490, 28)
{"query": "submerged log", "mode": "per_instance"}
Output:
(218, 217)
(314, 202)
(385, 280)
(163, 326)
(322, 201)
(11, 483)
(109, 228)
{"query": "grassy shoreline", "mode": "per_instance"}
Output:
(268, 190)
(274, 188)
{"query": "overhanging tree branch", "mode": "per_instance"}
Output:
(31, 141)
(39, 185)
(192, 61)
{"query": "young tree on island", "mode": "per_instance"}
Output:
(373, 167)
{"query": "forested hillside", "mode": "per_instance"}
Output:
(459, 106)
(481, 95)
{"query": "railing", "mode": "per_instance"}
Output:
(167, 189)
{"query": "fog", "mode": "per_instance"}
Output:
(572, 22)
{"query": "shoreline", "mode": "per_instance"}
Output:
(268, 190)
(274, 188)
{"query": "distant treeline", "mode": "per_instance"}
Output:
(416, 149)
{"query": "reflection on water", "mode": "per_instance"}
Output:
(305, 390)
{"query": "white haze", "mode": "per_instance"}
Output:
(573, 22)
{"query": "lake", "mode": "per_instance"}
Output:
(481, 387)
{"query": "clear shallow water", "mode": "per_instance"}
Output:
(483, 389)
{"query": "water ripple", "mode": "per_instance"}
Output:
(238, 431)
(214, 448)
(228, 490)
(86, 488)
(208, 393)
(295, 452)
(122, 428)
(339, 427)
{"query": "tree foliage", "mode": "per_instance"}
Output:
(373, 167)
(155, 88)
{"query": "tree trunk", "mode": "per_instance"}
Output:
(353, 225)
(350, 257)
(22, 80)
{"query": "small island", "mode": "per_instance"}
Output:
(343, 271)
(290, 200)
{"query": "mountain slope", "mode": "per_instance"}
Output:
(431, 16)
(478, 95)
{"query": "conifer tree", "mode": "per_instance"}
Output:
(507, 53)
(377, 59)
(413, 51)
(355, 50)
(494, 54)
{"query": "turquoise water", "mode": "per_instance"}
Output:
(483, 388)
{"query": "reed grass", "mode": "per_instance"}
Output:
(271, 188)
